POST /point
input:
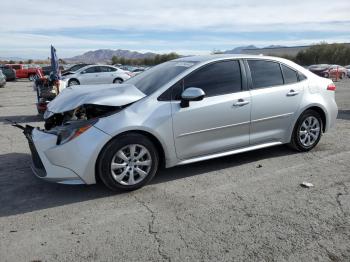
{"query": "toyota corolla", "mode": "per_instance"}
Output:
(179, 112)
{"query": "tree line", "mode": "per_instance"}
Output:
(149, 61)
(322, 53)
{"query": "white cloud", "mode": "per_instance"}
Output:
(23, 17)
(164, 15)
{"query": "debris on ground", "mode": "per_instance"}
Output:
(306, 184)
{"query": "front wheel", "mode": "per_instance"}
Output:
(307, 131)
(128, 162)
(73, 82)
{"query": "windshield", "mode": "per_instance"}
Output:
(76, 67)
(154, 78)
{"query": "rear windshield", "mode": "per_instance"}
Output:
(154, 78)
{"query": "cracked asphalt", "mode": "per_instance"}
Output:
(247, 207)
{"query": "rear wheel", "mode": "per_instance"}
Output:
(31, 78)
(128, 162)
(117, 81)
(307, 131)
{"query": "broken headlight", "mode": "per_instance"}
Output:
(71, 130)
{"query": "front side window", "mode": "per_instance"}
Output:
(290, 76)
(265, 73)
(94, 69)
(216, 79)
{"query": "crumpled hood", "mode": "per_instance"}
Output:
(108, 95)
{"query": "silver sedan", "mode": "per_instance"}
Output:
(183, 111)
(96, 74)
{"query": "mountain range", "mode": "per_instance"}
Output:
(105, 55)
(240, 49)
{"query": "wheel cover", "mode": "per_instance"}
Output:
(309, 131)
(73, 83)
(131, 164)
(118, 81)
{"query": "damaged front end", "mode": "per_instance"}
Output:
(81, 113)
(57, 154)
(84, 103)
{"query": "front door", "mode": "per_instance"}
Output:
(220, 122)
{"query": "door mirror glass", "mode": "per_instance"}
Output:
(191, 94)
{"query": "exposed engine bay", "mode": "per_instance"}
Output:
(83, 112)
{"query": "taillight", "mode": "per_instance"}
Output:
(331, 87)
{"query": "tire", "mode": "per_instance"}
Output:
(309, 125)
(126, 174)
(118, 81)
(73, 82)
(326, 75)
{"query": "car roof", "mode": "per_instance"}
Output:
(206, 58)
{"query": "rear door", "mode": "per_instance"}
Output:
(219, 122)
(276, 95)
(107, 74)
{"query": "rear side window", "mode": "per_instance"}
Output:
(301, 76)
(107, 69)
(216, 79)
(290, 76)
(265, 73)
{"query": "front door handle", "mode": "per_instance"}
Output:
(292, 93)
(241, 102)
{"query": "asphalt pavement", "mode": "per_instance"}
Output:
(246, 207)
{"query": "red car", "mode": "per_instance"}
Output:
(23, 71)
(336, 71)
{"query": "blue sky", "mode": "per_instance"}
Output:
(29, 27)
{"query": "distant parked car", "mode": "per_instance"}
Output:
(328, 71)
(24, 71)
(96, 74)
(348, 70)
(73, 69)
(138, 70)
(334, 69)
(320, 70)
(2, 79)
(8, 72)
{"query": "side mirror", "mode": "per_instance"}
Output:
(191, 94)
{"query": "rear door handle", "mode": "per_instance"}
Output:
(292, 93)
(241, 102)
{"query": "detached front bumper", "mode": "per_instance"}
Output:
(70, 163)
